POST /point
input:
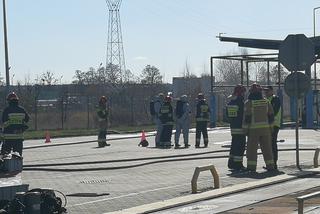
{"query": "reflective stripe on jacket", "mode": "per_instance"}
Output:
(275, 102)
(166, 114)
(259, 112)
(234, 112)
(202, 111)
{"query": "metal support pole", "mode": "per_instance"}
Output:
(7, 67)
(315, 66)
(279, 75)
(314, 35)
(88, 112)
(211, 70)
(247, 73)
(241, 64)
(297, 125)
(268, 72)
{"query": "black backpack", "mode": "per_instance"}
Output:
(179, 109)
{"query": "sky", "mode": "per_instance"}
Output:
(62, 36)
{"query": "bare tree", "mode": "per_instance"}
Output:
(151, 75)
(46, 78)
(274, 77)
(259, 72)
(228, 71)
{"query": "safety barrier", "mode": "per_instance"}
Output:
(316, 158)
(301, 199)
(201, 169)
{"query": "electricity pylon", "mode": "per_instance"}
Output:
(115, 52)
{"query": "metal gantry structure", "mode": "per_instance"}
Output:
(115, 51)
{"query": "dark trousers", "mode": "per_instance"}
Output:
(14, 145)
(201, 127)
(165, 137)
(237, 149)
(275, 144)
(102, 138)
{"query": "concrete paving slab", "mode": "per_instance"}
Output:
(148, 183)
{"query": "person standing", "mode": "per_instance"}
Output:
(182, 121)
(276, 105)
(157, 106)
(202, 118)
(258, 119)
(103, 114)
(14, 119)
(235, 110)
(166, 118)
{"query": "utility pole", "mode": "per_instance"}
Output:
(115, 51)
(7, 67)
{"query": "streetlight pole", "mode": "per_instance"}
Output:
(6, 45)
(315, 63)
(314, 35)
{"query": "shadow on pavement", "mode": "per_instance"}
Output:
(254, 175)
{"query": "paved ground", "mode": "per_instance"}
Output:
(99, 180)
(278, 198)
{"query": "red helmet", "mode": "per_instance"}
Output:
(168, 99)
(255, 88)
(12, 96)
(239, 90)
(102, 99)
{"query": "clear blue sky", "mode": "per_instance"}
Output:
(65, 35)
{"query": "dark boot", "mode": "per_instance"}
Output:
(101, 144)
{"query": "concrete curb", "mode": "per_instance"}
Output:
(184, 200)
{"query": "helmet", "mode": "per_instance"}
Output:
(200, 96)
(103, 99)
(239, 90)
(184, 98)
(255, 88)
(161, 97)
(12, 96)
(167, 99)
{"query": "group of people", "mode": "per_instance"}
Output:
(165, 116)
(258, 118)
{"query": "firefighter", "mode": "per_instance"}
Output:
(258, 118)
(202, 118)
(157, 106)
(182, 121)
(14, 119)
(166, 118)
(276, 105)
(235, 115)
(103, 113)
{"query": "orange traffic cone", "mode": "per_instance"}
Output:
(143, 141)
(47, 137)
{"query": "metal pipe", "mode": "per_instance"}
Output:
(247, 73)
(314, 35)
(211, 70)
(268, 72)
(6, 45)
(241, 72)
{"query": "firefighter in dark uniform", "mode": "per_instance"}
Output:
(235, 115)
(14, 119)
(276, 105)
(103, 113)
(202, 118)
(166, 118)
(258, 120)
